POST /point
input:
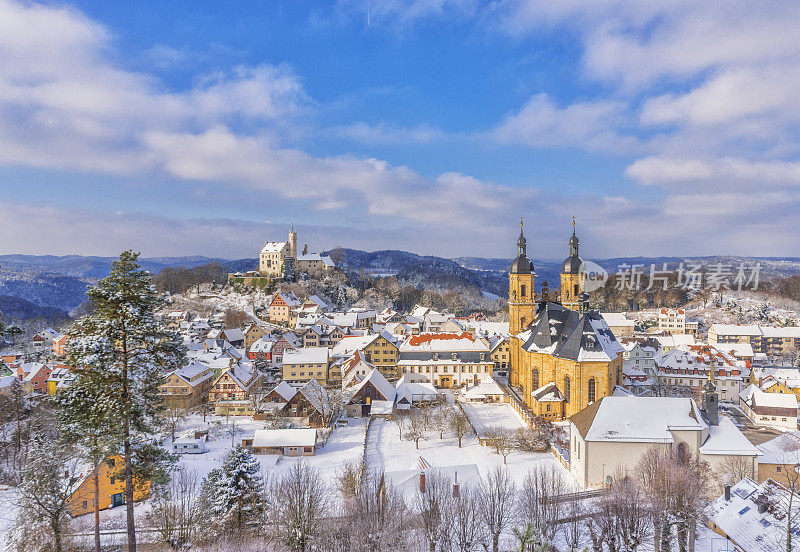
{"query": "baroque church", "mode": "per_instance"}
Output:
(564, 356)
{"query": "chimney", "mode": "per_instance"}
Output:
(727, 493)
(456, 488)
(422, 482)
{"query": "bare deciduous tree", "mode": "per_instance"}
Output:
(300, 500)
(176, 509)
(501, 440)
(537, 501)
(459, 424)
(467, 523)
(497, 504)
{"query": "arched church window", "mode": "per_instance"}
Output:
(522, 323)
(566, 388)
(535, 377)
(591, 390)
(522, 290)
(575, 292)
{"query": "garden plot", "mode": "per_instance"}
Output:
(487, 416)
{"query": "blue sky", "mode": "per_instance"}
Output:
(176, 128)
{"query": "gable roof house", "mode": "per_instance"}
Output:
(231, 391)
(374, 387)
(313, 402)
(188, 385)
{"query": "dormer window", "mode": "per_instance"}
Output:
(454, 356)
(483, 356)
(435, 356)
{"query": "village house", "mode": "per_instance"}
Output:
(374, 387)
(499, 352)
(112, 489)
(353, 368)
(60, 345)
(187, 386)
(35, 379)
(769, 340)
(287, 341)
(262, 349)
(690, 367)
(253, 333)
(447, 360)
(44, 339)
(231, 391)
(379, 350)
(779, 458)
(281, 306)
(280, 394)
(778, 410)
(311, 402)
(620, 325)
(304, 364)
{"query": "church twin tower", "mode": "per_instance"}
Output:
(521, 279)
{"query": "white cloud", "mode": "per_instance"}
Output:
(588, 125)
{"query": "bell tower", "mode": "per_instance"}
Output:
(571, 275)
(521, 297)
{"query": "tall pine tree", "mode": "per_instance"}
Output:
(88, 420)
(122, 351)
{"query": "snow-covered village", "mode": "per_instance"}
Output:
(399, 275)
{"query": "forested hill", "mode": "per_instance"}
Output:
(59, 282)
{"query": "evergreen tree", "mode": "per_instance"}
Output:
(235, 492)
(122, 351)
(90, 421)
(50, 477)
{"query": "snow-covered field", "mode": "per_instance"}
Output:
(485, 416)
(345, 444)
(388, 453)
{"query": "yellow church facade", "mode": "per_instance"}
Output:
(563, 356)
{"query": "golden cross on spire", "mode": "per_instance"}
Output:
(573, 223)
(520, 224)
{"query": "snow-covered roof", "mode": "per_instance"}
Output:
(7, 381)
(486, 388)
(306, 355)
(234, 334)
(443, 342)
(726, 439)
(783, 449)
(285, 390)
(262, 345)
(273, 247)
(735, 329)
(310, 257)
(752, 395)
(380, 383)
(411, 390)
(192, 370)
(349, 345)
(617, 319)
(740, 519)
(638, 419)
(301, 437)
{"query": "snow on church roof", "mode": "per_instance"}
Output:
(639, 419)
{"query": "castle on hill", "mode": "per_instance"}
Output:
(278, 259)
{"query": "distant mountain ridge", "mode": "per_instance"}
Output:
(59, 282)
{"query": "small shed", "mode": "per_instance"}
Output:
(287, 442)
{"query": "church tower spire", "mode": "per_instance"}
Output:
(521, 278)
(571, 275)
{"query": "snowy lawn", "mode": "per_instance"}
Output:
(386, 452)
(345, 444)
(485, 416)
